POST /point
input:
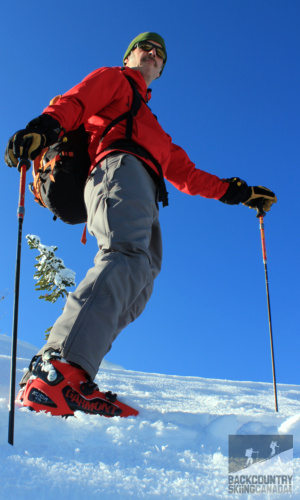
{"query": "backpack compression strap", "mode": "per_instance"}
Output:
(129, 115)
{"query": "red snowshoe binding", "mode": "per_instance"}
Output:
(61, 388)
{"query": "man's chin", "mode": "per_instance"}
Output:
(150, 61)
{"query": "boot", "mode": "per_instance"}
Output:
(61, 388)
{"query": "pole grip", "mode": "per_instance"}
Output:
(260, 208)
(22, 167)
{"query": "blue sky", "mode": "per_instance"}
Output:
(229, 95)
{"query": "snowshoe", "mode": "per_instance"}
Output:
(61, 388)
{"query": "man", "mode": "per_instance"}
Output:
(125, 183)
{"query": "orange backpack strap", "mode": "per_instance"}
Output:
(38, 164)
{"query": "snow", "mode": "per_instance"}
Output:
(176, 448)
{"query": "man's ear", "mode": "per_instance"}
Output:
(126, 61)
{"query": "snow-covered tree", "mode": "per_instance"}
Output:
(51, 274)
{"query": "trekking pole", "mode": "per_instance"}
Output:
(260, 214)
(23, 166)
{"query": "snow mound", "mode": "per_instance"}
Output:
(177, 447)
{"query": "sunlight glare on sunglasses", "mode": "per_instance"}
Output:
(147, 46)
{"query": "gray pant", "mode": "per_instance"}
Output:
(121, 201)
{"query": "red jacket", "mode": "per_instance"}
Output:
(104, 95)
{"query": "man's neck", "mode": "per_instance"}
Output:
(144, 74)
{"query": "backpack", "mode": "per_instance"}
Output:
(61, 170)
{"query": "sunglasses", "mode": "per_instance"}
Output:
(147, 46)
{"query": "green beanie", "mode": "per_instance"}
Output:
(143, 37)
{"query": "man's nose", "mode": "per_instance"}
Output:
(153, 51)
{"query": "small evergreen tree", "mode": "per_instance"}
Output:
(51, 274)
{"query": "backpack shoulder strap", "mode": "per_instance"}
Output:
(129, 115)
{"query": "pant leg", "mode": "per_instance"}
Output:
(139, 305)
(123, 216)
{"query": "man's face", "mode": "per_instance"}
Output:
(147, 62)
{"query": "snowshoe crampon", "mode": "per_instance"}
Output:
(60, 388)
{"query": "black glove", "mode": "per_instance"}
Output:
(251, 196)
(39, 133)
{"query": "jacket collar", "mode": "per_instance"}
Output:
(140, 82)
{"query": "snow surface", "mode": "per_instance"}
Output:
(176, 448)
